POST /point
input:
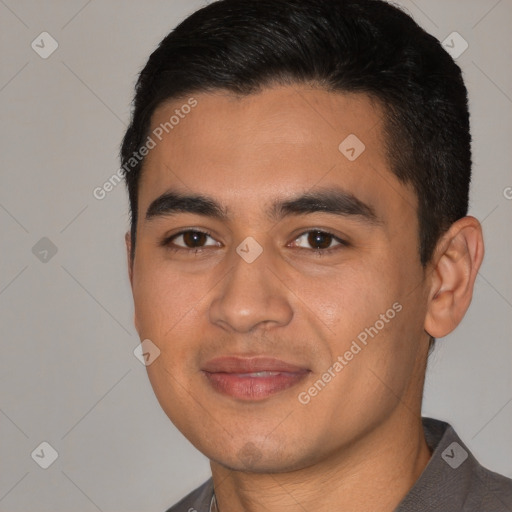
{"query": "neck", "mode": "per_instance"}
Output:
(374, 473)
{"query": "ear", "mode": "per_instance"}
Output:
(128, 242)
(457, 258)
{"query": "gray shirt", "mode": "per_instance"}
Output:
(452, 481)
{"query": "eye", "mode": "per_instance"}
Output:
(321, 241)
(189, 240)
(192, 239)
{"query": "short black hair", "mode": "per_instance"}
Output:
(365, 46)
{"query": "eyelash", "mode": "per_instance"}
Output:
(166, 242)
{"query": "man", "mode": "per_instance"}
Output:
(298, 175)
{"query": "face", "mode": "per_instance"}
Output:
(286, 294)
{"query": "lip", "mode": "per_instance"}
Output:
(236, 364)
(235, 376)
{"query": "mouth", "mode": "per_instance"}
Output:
(252, 379)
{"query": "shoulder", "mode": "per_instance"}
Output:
(489, 491)
(484, 489)
(196, 501)
(454, 480)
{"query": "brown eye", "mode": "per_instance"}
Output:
(193, 239)
(318, 240)
(190, 239)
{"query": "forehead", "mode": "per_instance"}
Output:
(284, 140)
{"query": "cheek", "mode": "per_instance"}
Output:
(163, 298)
(371, 312)
(169, 310)
(348, 299)
(167, 306)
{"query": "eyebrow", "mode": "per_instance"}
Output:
(332, 200)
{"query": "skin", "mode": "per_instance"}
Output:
(359, 442)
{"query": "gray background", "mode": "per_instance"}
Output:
(68, 373)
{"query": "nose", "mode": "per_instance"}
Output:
(251, 296)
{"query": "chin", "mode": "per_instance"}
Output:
(250, 459)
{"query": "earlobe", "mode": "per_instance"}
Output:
(458, 256)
